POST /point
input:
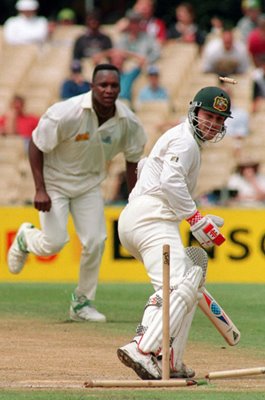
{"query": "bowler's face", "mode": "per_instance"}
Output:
(106, 88)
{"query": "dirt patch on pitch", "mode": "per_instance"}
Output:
(40, 354)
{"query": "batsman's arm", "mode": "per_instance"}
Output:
(206, 229)
(42, 201)
(218, 317)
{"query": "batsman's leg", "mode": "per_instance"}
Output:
(182, 300)
(140, 353)
(177, 367)
(196, 256)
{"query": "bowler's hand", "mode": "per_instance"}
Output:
(42, 201)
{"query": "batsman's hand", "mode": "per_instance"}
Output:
(206, 229)
(219, 221)
(42, 201)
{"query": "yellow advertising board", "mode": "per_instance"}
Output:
(240, 259)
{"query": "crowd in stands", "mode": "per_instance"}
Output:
(137, 44)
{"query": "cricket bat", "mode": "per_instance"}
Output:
(218, 317)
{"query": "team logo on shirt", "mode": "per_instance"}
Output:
(220, 103)
(82, 136)
(106, 140)
(174, 158)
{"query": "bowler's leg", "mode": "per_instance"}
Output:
(88, 215)
(45, 242)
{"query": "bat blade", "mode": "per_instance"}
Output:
(218, 317)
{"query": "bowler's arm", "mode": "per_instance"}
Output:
(131, 175)
(42, 201)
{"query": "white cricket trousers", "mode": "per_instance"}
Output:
(87, 211)
(145, 225)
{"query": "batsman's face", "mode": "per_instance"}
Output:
(209, 124)
(106, 88)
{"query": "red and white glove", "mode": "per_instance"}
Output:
(205, 229)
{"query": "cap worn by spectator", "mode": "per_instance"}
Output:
(66, 14)
(76, 66)
(27, 5)
(246, 4)
(152, 70)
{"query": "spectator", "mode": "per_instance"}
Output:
(256, 41)
(185, 28)
(237, 127)
(17, 122)
(66, 16)
(249, 184)
(151, 24)
(154, 26)
(258, 85)
(136, 40)
(119, 57)
(217, 26)
(76, 84)
(153, 90)
(93, 40)
(26, 27)
(63, 29)
(225, 55)
(251, 10)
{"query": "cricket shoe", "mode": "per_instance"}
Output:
(182, 372)
(81, 310)
(144, 365)
(18, 252)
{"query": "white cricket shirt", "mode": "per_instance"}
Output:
(170, 172)
(76, 149)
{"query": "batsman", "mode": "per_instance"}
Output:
(160, 200)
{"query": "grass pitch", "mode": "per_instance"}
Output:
(123, 305)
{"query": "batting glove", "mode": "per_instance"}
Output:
(205, 229)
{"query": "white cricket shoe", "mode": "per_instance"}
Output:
(182, 372)
(18, 252)
(81, 310)
(144, 365)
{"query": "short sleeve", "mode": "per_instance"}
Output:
(45, 136)
(135, 141)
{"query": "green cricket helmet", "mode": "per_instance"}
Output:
(212, 99)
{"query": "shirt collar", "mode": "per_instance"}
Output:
(120, 107)
(87, 100)
(199, 141)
